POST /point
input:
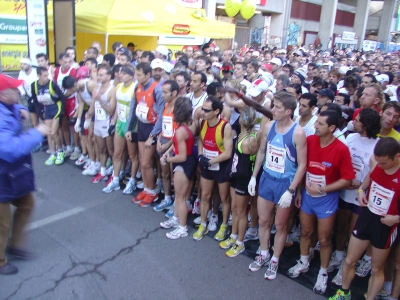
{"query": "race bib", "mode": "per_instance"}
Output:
(211, 154)
(167, 127)
(141, 112)
(235, 161)
(121, 110)
(99, 111)
(276, 158)
(316, 179)
(358, 170)
(44, 99)
(379, 199)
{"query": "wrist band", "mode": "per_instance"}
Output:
(360, 190)
(240, 95)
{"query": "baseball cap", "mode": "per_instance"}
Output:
(157, 63)
(382, 78)
(343, 70)
(255, 53)
(258, 87)
(7, 82)
(26, 60)
(299, 53)
(276, 61)
(282, 51)
(301, 74)
(267, 66)
(163, 50)
(327, 93)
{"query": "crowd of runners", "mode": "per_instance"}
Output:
(295, 146)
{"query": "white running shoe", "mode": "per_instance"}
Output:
(196, 207)
(295, 271)
(75, 155)
(259, 262)
(177, 233)
(317, 246)
(334, 263)
(170, 223)
(337, 280)
(110, 170)
(197, 221)
(230, 219)
(363, 268)
(212, 224)
(189, 206)
(321, 284)
(140, 185)
(270, 274)
(129, 188)
(112, 186)
(91, 171)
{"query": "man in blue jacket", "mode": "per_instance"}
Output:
(16, 173)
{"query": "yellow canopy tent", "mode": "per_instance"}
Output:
(145, 18)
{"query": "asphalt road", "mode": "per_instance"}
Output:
(91, 245)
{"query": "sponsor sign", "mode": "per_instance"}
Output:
(36, 22)
(180, 29)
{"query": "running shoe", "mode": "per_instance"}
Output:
(295, 235)
(164, 204)
(288, 242)
(112, 186)
(140, 185)
(228, 243)
(75, 155)
(297, 269)
(249, 236)
(321, 284)
(189, 206)
(272, 269)
(317, 246)
(139, 197)
(337, 280)
(340, 295)
(230, 219)
(170, 212)
(235, 250)
(222, 233)
(200, 233)
(108, 163)
(67, 152)
(363, 268)
(157, 188)
(196, 207)
(171, 223)
(81, 160)
(197, 221)
(91, 171)
(129, 188)
(51, 160)
(212, 225)
(110, 170)
(99, 178)
(259, 262)
(60, 157)
(334, 263)
(177, 233)
(273, 229)
(148, 200)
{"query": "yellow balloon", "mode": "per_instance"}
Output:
(248, 9)
(232, 7)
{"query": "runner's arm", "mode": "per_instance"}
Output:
(110, 108)
(227, 154)
(158, 107)
(261, 150)
(81, 105)
(61, 96)
(301, 149)
(181, 136)
(132, 114)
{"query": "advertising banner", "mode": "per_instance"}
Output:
(10, 56)
(13, 30)
(36, 22)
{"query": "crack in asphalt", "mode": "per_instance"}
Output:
(93, 268)
(28, 279)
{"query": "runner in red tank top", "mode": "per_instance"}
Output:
(378, 220)
(183, 166)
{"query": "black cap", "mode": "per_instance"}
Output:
(327, 93)
(131, 45)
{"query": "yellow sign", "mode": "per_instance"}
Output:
(10, 56)
(14, 7)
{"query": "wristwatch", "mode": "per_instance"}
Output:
(291, 191)
(152, 136)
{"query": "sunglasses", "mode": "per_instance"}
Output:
(206, 110)
(372, 69)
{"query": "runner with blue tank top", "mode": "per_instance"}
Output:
(283, 154)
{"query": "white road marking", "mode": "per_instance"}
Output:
(55, 218)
